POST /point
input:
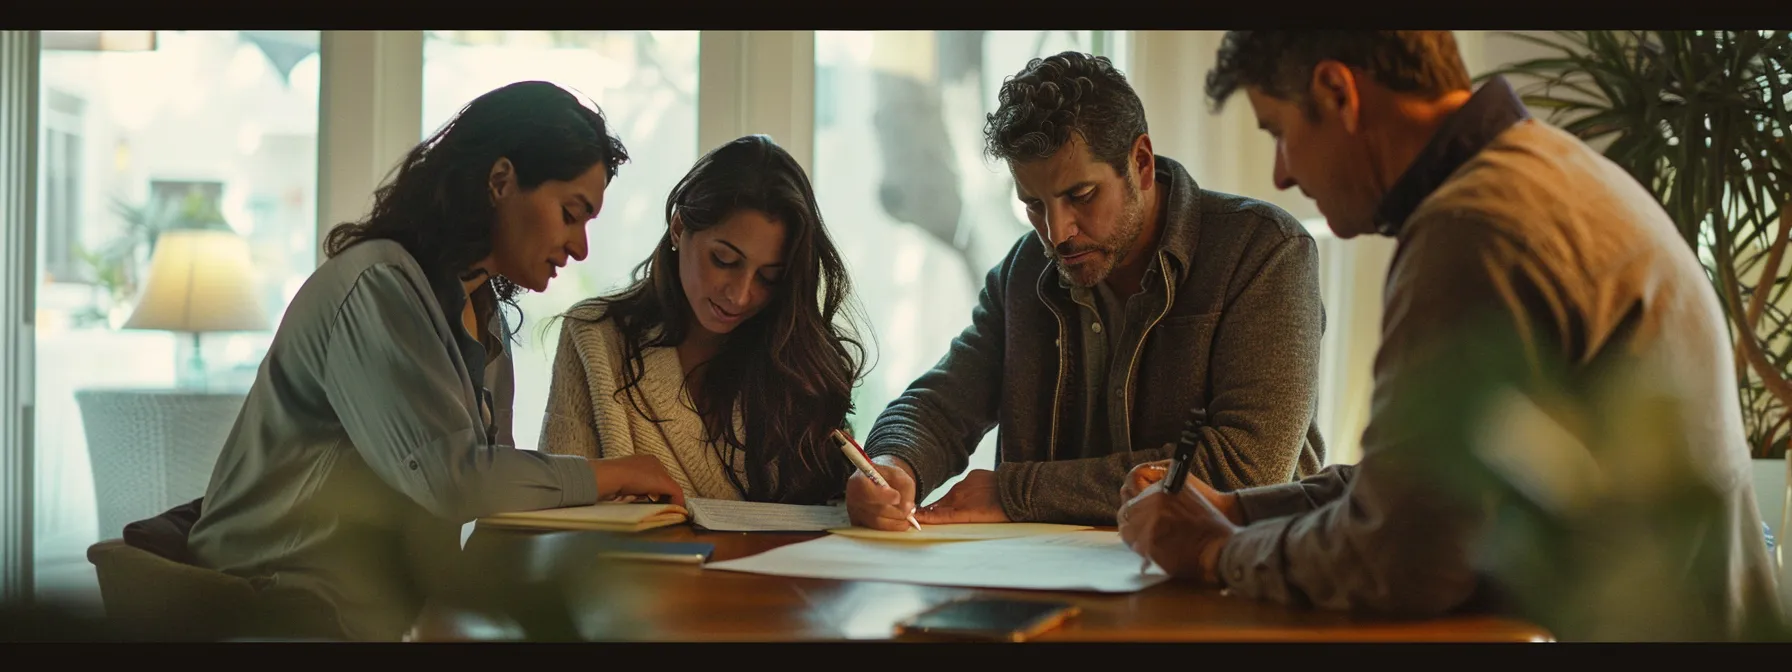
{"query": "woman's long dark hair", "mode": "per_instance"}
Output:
(792, 367)
(437, 203)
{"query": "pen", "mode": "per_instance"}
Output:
(1185, 451)
(1181, 460)
(856, 455)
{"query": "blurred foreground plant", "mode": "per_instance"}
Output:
(1604, 522)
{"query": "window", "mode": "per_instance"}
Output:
(646, 84)
(61, 152)
(920, 215)
(133, 133)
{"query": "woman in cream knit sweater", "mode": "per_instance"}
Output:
(723, 359)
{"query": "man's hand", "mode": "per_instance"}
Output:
(879, 508)
(634, 475)
(1144, 475)
(975, 499)
(1183, 533)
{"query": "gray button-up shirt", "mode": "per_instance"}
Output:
(365, 443)
(1107, 355)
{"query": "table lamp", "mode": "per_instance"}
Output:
(199, 281)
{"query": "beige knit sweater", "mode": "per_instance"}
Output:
(586, 417)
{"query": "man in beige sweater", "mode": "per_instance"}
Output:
(1511, 233)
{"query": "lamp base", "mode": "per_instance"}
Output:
(190, 373)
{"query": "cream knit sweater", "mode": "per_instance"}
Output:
(586, 417)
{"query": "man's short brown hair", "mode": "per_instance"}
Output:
(1055, 97)
(1280, 62)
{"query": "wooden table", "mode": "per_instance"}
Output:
(649, 601)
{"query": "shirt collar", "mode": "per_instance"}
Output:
(452, 297)
(1177, 235)
(1488, 113)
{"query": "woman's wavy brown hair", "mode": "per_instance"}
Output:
(791, 368)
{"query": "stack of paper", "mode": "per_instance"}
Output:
(1082, 561)
(607, 516)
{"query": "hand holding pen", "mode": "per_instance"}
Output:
(877, 497)
(1177, 471)
(1185, 524)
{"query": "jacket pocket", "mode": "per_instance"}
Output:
(1174, 367)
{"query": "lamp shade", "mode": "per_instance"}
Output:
(199, 281)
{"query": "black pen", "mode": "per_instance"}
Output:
(1179, 463)
(1185, 451)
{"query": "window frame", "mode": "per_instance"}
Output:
(19, 72)
(371, 101)
(60, 144)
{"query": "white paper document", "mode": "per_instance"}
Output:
(1093, 560)
(960, 531)
(723, 515)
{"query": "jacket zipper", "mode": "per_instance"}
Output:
(1126, 392)
(1051, 450)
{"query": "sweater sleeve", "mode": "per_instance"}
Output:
(569, 427)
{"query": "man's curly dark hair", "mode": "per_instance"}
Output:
(1053, 97)
(1280, 62)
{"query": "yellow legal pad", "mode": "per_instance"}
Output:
(604, 516)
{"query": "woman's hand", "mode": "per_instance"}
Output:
(636, 475)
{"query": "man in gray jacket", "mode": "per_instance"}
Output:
(1143, 298)
(1532, 274)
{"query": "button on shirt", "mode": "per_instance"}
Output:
(1107, 350)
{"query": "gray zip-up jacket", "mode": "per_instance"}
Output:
(1229, 321)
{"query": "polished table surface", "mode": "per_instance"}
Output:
(653, 601)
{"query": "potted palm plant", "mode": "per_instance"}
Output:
(1701, 119)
